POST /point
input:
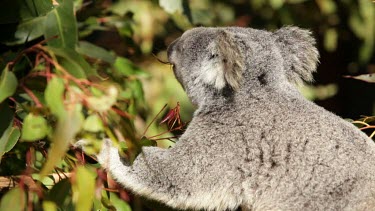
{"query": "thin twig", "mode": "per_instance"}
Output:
(153, 120)
(32, 96)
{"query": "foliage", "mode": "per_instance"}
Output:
(59, 83)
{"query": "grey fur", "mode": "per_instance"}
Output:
(255, 142)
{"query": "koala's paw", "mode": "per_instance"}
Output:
(107, 154)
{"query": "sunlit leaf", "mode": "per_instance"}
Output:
(118, 203)
(327, 6)
(8, 84)
(93, 123)
(64, 133)
(61, 27)
(95, 51)
(330, 39)
(54, 96)
(84, 188)
(34, 127)
(14, 200)
(9, 139)
(49, 205)
(127, 68)
(276, 4)
(171, 6)
(364, 77)
(362, 23)
(104, 102)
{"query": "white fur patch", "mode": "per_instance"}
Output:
(213, 74)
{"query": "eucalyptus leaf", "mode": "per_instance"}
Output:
(65, 132)
(125, 67)
(61, 26)
(118, 203)
(8, 84)
(84, 188)
(105, 102)
(54, 94)
(9, 139)
(59, 194)
(34, 128)
(27, 31)
(49, 205)
(72, 62)
(330, 39)
(93, 123)
(171, 6)
(370, 78)
(14, 199)
(95, 52)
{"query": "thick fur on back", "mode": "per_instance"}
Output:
(254, 141)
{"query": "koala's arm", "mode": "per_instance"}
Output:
(170, 177)
(140, 177)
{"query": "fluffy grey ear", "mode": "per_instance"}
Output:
(224, 64)
(300, 55)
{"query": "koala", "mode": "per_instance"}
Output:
(254, 143)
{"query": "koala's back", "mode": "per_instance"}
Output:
(284, 153)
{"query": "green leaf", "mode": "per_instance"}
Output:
(65, 132)
(72, 62)
(370, 78)
(105, 102)
(61, 27)
(118, 203)
(54, 94)
(8, 84)
(49, 205)
(171, 6)
(34, 128)
(137, 89)
(93, 123)
(126, 68)
(276, 4)
(60, 194)
(34, 8)
(330, 39)
(14, 200)
(84, 188)
(27, 31)
(9, 139)
(95, 52)
(327, 7)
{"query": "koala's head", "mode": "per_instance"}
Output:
(220, 62)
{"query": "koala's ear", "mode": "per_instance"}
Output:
(300, 55)
(224, 64)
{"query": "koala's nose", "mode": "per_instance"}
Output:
(171, 48)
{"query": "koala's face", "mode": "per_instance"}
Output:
(207, 61)
(188, 52)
